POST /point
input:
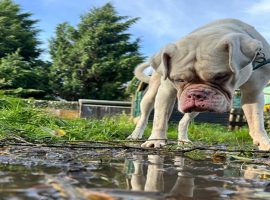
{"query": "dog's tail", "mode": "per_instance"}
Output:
(139, 72)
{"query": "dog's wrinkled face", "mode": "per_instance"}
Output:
(206, 72)
(204, 83)
(202, 89)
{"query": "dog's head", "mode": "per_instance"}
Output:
(206, 71)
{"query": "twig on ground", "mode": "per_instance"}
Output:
(115, 145)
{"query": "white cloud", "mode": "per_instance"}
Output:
(260, 7)
(161, 22)
(158, 18)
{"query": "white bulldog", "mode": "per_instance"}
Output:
(203, 70)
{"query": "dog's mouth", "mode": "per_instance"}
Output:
(226, 93)
(204, 98)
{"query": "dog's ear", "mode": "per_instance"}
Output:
(242, 50)
(161, 61)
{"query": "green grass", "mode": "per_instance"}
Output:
(19, 118)
(211, 134)
(218, 134)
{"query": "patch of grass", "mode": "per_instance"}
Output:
(114, 128)
(217, 134)
(21, 118)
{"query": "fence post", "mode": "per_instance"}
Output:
(236, 118)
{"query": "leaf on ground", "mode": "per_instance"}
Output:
(3, 153)
(94, 195)
(58, 187)
(59, 132)
(264, 176)
(219, 157)
(64, 186)
(235, 157)
(56, 132)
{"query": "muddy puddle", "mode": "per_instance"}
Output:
(43, 173)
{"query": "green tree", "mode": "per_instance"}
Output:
(17, 31)
(19, 51)
(97, 59)
(16, 72)
(63, 81)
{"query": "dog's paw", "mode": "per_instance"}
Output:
(156, 143)
(262, 142)
(135, 136)
(184, 141)
(263, 145)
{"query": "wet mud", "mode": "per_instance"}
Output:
(45, 173)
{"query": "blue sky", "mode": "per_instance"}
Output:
(161, 21)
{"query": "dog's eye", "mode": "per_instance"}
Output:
(179, 80)
(221, 77)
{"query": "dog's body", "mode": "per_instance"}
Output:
(202, 70)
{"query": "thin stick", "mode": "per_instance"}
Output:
(124, 146)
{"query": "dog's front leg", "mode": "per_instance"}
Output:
(252, 104)
(164, 103)
(183, 127)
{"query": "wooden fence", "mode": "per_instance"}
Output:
(100, 108)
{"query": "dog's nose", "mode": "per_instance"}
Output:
(198, 95)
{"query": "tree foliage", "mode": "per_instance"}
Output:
(18, 73)
(19, 51)
(96, 59)
(63, 74)
(17, 30)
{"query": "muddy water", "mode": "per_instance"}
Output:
(51, 173)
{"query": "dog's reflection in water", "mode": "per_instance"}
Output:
(153, 181)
